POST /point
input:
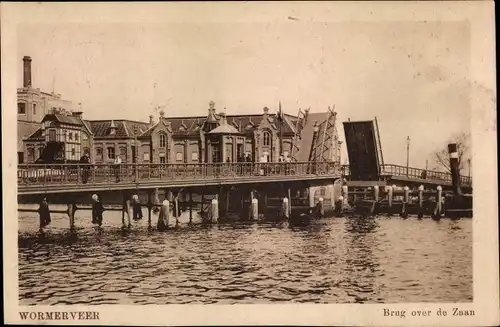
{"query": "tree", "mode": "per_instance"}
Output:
(442, 157)
(60, 111)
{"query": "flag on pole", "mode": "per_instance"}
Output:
(280, 113)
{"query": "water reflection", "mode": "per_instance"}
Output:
(330, 260)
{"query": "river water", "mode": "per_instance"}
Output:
(331, 260)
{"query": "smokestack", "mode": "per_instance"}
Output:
(27, 71)
(455, 170)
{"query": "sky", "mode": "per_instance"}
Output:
(412, 76)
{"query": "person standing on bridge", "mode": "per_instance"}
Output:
(85, 161)
(117, 162)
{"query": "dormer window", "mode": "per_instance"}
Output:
(163, 141)
(267, 138)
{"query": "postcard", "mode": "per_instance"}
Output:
(250, 163)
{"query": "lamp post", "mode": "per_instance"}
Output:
(468, 165)
(407, 155)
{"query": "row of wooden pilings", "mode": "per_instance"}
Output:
(392, 200)
(170, 207)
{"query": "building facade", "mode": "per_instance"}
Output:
(216, 137)
(32, 106)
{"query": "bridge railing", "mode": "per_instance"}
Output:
(57, 174)
(415, 173)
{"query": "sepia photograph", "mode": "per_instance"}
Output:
(223, 157)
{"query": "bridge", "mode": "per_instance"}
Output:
(68, 178)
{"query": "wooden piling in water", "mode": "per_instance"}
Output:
(289, 203)
(215, 209)
(390, 195)
(285, 209)
(190, 206)
(71, 214)
(420, 201)
(254, 206)
(406, 202)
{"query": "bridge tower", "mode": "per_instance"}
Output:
(325, 139)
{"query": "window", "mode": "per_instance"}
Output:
(34, 108)
(194, 156)
(163, 141)
(31, 155)
(146, 157)
(73, 152)
(111, 153)
(21, 108)
(76, 136)
(179, 156)
(52, 135)
(267, 139)
(40, 151)
(123, 153)
(162, 160)
(70, 136)
(98, 154)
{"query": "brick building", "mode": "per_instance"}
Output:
(32, 106)
(216, 137)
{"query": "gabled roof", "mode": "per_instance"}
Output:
(224, 129)
(124, 128)
(71, 120)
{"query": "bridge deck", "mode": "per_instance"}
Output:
(40, 179)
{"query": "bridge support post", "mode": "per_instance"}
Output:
(215, 209)
(71, 215)
(190, 206)
(177, 209)
(345, 195)
(420, 201)
(254, 210)
(289, 203)
(376, 193)
(149, 205)
(438, 206)
(202, 204)
(285, 209)
(390, 194)
(128, 208)
(406, 201)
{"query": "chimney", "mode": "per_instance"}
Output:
(151, 121)
(162, 113)
(77, 114)
(266, 111)
(27, 71)
(223, 120)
